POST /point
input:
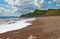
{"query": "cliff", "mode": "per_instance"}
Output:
(42, 13)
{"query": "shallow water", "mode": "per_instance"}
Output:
(18, 25)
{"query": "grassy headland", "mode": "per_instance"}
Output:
(42, 13)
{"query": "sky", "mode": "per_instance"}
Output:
(18, 7)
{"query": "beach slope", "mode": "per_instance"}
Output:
(41, 28)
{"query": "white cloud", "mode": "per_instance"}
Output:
(23, 6)
(13, 2)
(3, 10)
(39, 3)
(23, 3)
(49, 2)
(54, 0)
(7, 12)
(57, 2)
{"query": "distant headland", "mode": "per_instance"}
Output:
(42, 13)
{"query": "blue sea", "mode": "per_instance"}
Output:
(8, 20)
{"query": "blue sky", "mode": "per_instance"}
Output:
(52, 4)
(18, 7)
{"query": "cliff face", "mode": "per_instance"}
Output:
(53, 12)
(41, 28)
(42, 13)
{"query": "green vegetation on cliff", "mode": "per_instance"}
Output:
(42, 13)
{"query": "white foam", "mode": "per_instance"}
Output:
(18, 25)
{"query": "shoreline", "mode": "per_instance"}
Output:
(18, 25)
(41, 28)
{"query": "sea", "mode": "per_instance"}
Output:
(10, 24)
(8, 20)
